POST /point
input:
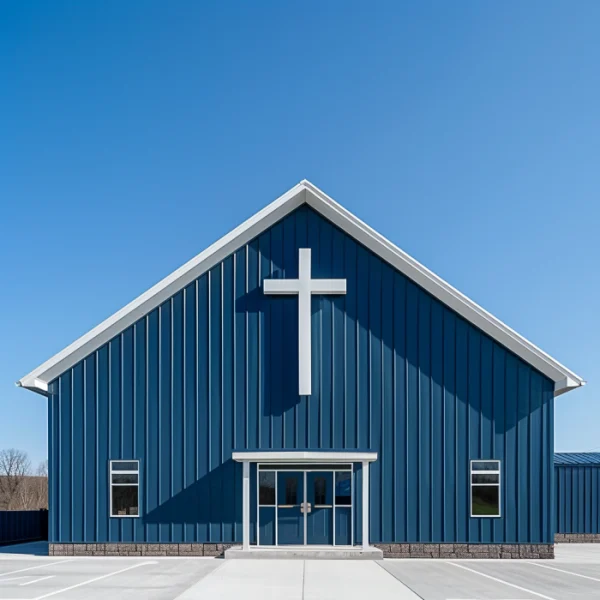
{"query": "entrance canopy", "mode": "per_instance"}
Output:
(304, 457)
(301, 456)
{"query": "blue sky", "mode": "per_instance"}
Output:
(134, 134)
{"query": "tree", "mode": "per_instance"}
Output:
(14, 467)
(38, 496)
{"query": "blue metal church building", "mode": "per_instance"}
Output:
(302, 383)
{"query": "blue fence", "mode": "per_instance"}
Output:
(23, 526)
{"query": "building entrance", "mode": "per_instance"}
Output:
(302, 505)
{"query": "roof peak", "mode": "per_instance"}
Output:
(303, 192)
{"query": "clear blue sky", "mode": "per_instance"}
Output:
(134, 134)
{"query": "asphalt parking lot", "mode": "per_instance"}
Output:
(26, 573)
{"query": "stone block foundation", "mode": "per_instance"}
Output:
(577, 538)
(467, 550)
(138, 549)
(538, 551)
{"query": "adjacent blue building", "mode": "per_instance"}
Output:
(302, 382)
(577, 496)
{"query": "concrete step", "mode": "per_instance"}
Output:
(306, 553)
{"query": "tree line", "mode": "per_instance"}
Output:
(21, 486)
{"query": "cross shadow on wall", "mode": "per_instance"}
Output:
(437, 362)
(214, 502)
(272, 338)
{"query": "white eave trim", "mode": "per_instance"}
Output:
(37, 385)
(566, 385)
(305, 192)
(304, 457)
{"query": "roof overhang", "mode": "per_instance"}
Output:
(292, 457)
(305, 192)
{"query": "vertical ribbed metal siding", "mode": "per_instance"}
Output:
(577, 499)
(215, 368)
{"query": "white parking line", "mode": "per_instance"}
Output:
(58, 562)
(36, 580)
(72, 587)
(563, 571)
(513, 585)
(13, 578)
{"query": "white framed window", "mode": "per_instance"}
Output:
(124, 488)
(485, 488)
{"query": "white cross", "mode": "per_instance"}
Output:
(304, 287)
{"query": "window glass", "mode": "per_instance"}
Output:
(291, 486)
(485, 465)
(343, 489)
(266, 488)
(485, 500)
(124, 478)
(320, 490)
(124, 500)
(124, 465)
(483, 478)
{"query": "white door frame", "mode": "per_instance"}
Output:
(282, 457)
(305, 472)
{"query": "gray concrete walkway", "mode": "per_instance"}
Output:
(26, 574)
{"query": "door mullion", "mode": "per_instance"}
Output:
(305, 509)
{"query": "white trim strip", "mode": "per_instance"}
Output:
(246, 507)
(365, 505)
(164, 289)
(441, 289)
(304, 457)
(304, 192)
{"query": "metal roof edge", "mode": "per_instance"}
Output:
(576, 459)
(164, 289)
(304, 192)
(565, 379)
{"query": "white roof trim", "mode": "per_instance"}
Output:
(304, 192)
(304, 457)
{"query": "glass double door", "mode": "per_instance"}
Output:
(300, 505)
(305, 508)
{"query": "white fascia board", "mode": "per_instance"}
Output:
(163, 290)
(440, 289)
(304, 192)
(36, 385)
(304, 457)
(566, 385)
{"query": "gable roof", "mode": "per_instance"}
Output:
(577, 458)
(304, 192)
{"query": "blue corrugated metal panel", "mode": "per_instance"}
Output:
(23, 526)
(577, 498)
(216, 368)
(577, 458)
